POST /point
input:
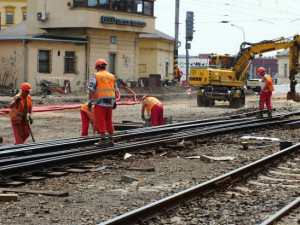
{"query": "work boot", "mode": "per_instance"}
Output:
(103, 142)
(260, 115)
(270, 114)
(110, 142)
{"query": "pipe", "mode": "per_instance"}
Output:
(25, 61)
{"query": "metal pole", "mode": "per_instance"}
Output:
(187, 62)
(241, 28)
(176, 36)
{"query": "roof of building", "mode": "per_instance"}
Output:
(157, 35)
(19, 32)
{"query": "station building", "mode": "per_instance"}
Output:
(61, 40)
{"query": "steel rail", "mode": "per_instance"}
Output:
(48, 146)
(36, 165)
(13, 147)
(19, 159)
(151, 210)
(285, 210)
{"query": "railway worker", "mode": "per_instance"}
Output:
(266, 93)
(103, 94)
(20, 114)
(154, 110)
(177, 75)
(87, 117)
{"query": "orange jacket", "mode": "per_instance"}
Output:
(105, 85)
(17, 114)
(89, 113)
(268, 83)
(150, 102)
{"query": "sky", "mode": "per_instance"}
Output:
(258, 19)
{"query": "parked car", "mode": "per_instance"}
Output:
(255, 85)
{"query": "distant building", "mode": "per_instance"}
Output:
(269, 63)
(12, 12)
(283, 66)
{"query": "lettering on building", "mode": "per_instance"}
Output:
(119, 21)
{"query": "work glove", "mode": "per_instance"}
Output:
(29, 118)
(90, 106)
(115, 105)
(18, 99)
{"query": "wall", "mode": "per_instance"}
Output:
(126, 50)
(11, 64)
(60, 15)
(57, 75)
(19, 7)
(154, 53)
(283, 59)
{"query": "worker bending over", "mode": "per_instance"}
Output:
(266, 93)
(103, 93)
(154, 110)
(20, 111)
(87, 117)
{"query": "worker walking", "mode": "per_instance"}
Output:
(20, 114)
(87, 117)
(103, 93)
(266, 93)
(154, 110)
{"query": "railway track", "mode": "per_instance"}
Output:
(241, 196)
(32, 158)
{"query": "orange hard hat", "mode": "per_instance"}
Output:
(100, 62)
(261, 70)
(25, 87)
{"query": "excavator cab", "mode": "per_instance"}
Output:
(220, 61)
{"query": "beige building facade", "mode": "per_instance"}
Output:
(12, 12)
(283, 67)
(62, 39)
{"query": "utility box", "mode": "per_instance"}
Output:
(154, 80)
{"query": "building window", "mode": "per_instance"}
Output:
(112, 63)
(44, 61)
(104, 4)
(69, 62)
(148, 8)
(24, 16)
(130, 6)
(9, 17)
(93, 3)
(285, 72)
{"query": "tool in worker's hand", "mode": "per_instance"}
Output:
(28, 124)
(18, 99)
(90, 106)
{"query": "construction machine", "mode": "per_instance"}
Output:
(224, 78)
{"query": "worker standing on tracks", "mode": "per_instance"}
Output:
(20, 114)
(87, 117)
(103, 93)
(266, 93)
(154, 110)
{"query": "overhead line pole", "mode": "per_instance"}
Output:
(176, 36)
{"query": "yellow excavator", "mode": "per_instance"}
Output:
(224, 78)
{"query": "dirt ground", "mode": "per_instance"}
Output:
(96, 197)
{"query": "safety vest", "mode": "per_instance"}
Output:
(89, 113)
(151, 102)
(18, 113)
(105, 86)
(268, 83)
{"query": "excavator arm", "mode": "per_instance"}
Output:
(249, 50)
